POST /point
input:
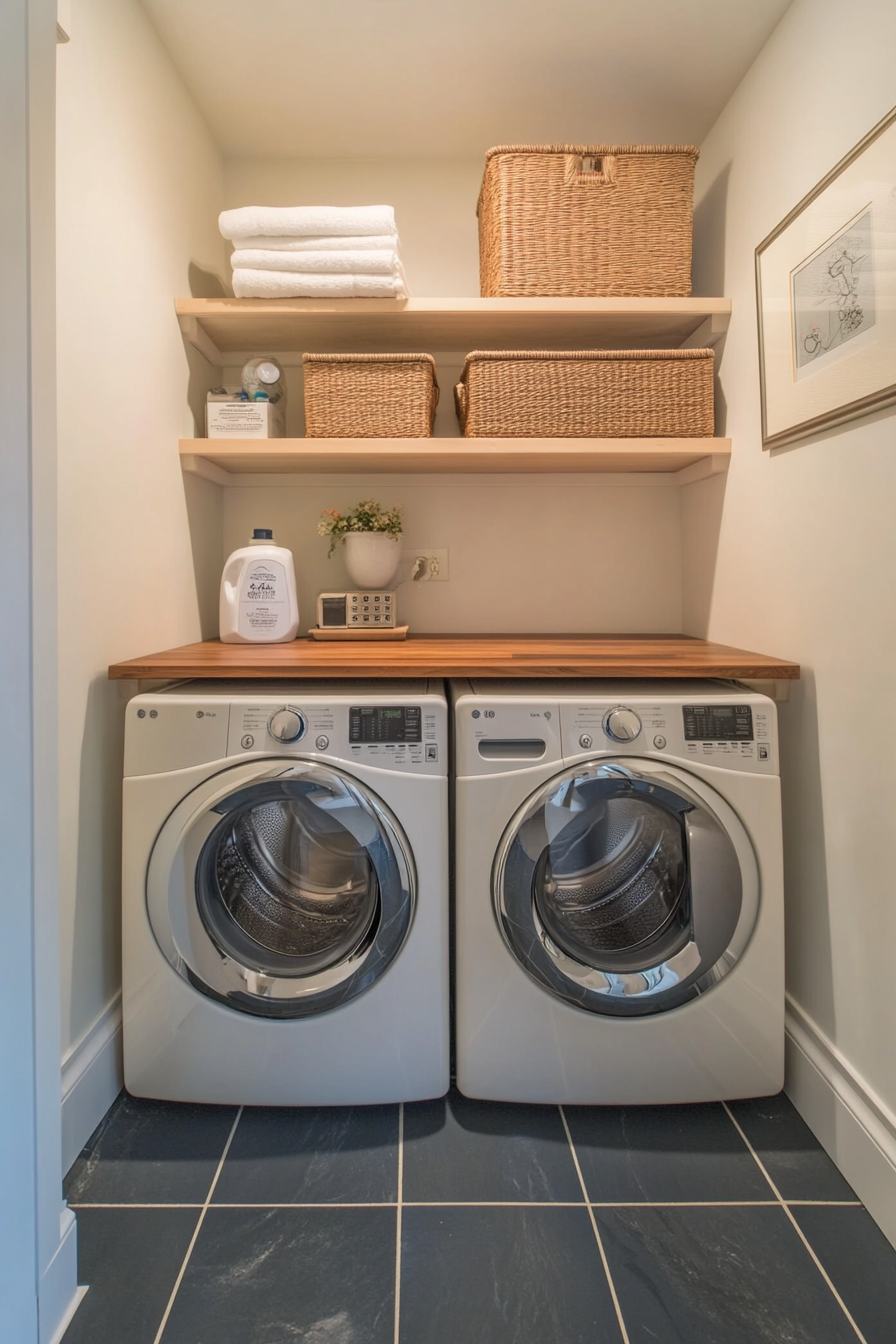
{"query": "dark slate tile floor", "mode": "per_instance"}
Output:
(487, 1223)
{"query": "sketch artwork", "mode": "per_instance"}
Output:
(832, 296)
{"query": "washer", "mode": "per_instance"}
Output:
(286, 893)
(619, 934)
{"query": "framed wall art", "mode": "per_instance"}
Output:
(826, 295)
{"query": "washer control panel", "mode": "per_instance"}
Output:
(401, 735)
(397, 725)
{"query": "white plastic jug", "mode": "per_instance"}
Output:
(258, 593)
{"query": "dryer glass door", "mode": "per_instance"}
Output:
(284, 893)
(621, 890)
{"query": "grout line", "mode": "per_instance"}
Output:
(511, 1204)
(799, 1231)
(135, 1206)
(398, 1206)
(199, 1222)
(494, 1203)
(686, 1204)
(597, 1237)
(519, 1203)
(825, 1203)
(367, 1204)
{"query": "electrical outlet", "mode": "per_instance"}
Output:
(424, 564)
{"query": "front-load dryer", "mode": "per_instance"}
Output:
(619, 892)
(285, 893)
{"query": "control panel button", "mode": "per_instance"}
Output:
(659, 741)
(247, 741)
(286, 724)
(322, 742)
(622, 725)
(586, 741)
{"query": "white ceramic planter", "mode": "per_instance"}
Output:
(371, 558)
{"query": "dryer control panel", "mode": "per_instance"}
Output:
(735, 733)
(505, 726)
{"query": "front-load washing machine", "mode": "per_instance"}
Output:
(285, 922)
(619, 892)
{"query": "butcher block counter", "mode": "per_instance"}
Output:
(462, 656)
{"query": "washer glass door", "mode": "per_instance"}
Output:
(283, 893)
(623, 890)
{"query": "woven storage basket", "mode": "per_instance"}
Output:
(370, 396)
(612, 394)
(586, 220)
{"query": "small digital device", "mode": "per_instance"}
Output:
(353, 611)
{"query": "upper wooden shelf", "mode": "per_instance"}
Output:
(224, 460)
(464, 656)
(225, 330)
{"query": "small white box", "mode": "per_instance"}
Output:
(229, 417)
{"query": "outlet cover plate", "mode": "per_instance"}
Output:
(436, 558)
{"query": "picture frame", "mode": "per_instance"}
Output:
(826, 297)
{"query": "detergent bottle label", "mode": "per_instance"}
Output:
(264, 607)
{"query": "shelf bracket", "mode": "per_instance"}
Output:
(714, 464)
(199, 338)
(209, 471)
(708, 333)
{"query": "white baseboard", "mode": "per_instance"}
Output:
(853, 1124)
(60, 1296)
(92, 1078)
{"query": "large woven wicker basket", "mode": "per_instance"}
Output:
(586, 220)
(370, 396)
(568, 394)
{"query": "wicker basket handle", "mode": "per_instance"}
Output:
(460, 403)
(590, 170)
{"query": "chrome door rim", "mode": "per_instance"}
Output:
(671, 980)
(189, 945)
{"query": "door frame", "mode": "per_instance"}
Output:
(38, 1263)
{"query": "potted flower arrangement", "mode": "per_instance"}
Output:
(372, 540)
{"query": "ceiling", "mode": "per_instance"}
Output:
(355, 78)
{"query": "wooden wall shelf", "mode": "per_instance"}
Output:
(226, 460)
(228, 330)
(463, 655)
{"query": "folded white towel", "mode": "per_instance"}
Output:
(251, 284)
(364, 261)
(301, 221)
(315, 243)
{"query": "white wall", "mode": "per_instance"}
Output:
(434, 200)
(795, 556)
(526, 553)
(139, 190)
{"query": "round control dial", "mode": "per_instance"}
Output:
(287, 724)
(622, 725)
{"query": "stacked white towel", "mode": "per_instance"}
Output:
(308, 251)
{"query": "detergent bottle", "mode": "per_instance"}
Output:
(258, 593)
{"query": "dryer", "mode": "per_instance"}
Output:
(619, 892)
(285, 889)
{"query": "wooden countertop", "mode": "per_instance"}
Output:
(463, 656)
